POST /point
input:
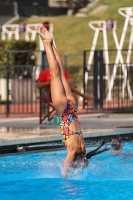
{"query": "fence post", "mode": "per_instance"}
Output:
(43, 60)
(44, 65)
(7, 87)
(101, 79)
(95, 82)
(84, 70)
(98, 84)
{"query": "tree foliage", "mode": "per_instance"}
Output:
(16, 61)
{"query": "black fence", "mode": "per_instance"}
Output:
(20, 69)
(111, 83)
(18, 73)
(18, 93)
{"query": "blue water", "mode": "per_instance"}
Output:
(37, 176)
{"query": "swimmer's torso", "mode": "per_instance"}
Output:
(69, 124)
(76, 142)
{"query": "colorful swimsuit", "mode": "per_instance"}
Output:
(68, 116)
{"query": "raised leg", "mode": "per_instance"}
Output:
(71, 91)
(68, 91)
(60, 90)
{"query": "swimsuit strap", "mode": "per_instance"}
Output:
(65, 137)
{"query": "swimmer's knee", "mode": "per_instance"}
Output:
(55, 73)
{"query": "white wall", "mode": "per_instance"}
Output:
(3, 85)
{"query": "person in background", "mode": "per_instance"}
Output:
(116, 144)
(44, 80)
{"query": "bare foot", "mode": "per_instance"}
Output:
(45, 35)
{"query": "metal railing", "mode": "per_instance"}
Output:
(111, 84)
(18, 73)
(20, 69)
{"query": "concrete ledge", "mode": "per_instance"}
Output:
(121, 116)
(107, 115)
(109, 132)
(30, 140)
(55, 136)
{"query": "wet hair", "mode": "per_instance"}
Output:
(80, 161)
(116, 143)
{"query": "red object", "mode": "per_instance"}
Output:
(46, 24)
(44, 76)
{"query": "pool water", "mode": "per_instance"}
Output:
(37, 176)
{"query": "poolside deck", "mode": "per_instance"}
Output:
(19, 137)
(22, 131)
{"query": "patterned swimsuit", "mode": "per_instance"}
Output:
(68, 116)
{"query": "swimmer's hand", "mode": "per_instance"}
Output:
(106, 149)
(69, 158)
(64, 174)
(90, 98)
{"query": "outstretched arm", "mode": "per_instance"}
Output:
(40, 85)
(68, 161)
(75, 90)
